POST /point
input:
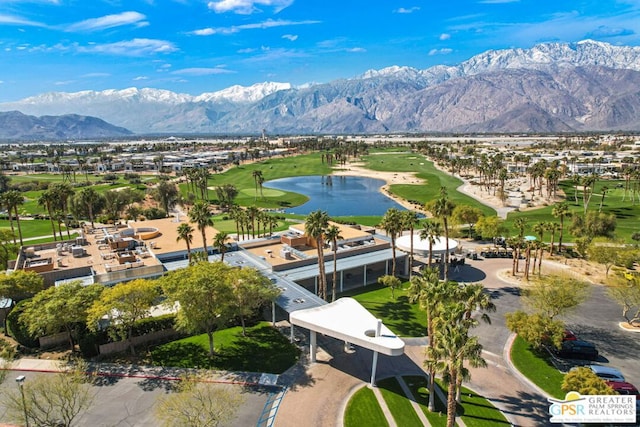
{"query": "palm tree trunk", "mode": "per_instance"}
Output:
(18, 223)
(451, 397)
(446, 245)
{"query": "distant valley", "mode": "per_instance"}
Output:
(552, 87)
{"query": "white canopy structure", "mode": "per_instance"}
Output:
(347, 320)
(421, 246)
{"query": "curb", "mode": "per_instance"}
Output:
(506, 355)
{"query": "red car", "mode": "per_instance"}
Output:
(569, 335)
(624, 388)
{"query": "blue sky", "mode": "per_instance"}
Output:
(196, 46)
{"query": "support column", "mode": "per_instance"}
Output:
(374, 365)
(312, 346)
(365, 275)
(341, 280)
(273, 314)
(315, 284)
(386, 267)
(291, 334)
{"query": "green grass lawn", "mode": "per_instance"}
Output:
(426, 171)
(363, 410)
(627, 213)
(477, 411)
(264, 349)
(419, 387)
(398, 404)
(402, 317)
(31, 227)
(537, 368)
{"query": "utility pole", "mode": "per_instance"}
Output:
(20, 381)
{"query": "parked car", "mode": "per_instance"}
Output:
(578, 349)
(625, 388)
(607, 373)
(569, 335)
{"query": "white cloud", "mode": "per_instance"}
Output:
(405, 10)
(64, 82)
(270, 55)
(17, 20)
(444, 36)
(291, 37)
(443, 51)
(269, 23)
(357, 49)
(137, 79)
(247, 7)
(110, 21)
(202, 71)
(90, 75)
(134, 47)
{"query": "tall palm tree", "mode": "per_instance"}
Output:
(89, 197)
(63, 191)
(47, 200)
(315, 227)
(474, 297)
(332, 234)
(219, 242)
(560, 211)
(431, 231)
(258, 180)
(12, 199)
(443, 208)
(253, 213)
(200, 215)
(553, 228)
(410, 220)
(392, 224)
(185, 232)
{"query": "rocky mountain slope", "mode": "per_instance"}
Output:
(17, 126)
(552, 87)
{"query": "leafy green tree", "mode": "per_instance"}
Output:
(198, 403)
(185, 232)
(8, 248)
(51, 399)
(90, 200)
(20, 284)
(536, 329)
(593, 224)
(555, 295)
(201, 216)
(315, 227)
(12, 200)
(585, 382)
(392, 224)
(332, 234)
(490, 227)
(465, 214)
(62, 307)
(625, 290)
(250, 291)
(205, 295)
(123, 305)
(607, 254)
(391, 282)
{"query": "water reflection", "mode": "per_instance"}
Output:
(337, 195)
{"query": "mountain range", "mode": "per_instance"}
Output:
(551, 87)
(15, 125)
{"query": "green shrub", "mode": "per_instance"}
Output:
(17, 329)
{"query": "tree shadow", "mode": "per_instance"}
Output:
(399, 316)
(526, 405)
(609, 340)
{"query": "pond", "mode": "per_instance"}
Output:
(337, 195)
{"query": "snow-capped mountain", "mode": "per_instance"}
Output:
(550, 87)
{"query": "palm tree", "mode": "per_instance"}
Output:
(219, 242)
(604, 190)
(185, 232)
(560, 210)
(253, 213)
(89, 197)
(442, 208)
(258, 180)
(315, 227)
(63, 191)
(12, 199)
(552, 227)
(392, 224)
(332, 234)
(47, 200)
(474, 297)
(431, 231)
(410, 220)
(200, 215)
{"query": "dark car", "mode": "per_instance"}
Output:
(578, 349)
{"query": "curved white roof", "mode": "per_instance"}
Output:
(421, 247)
(347, 320)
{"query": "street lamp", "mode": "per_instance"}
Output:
(20, 381)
